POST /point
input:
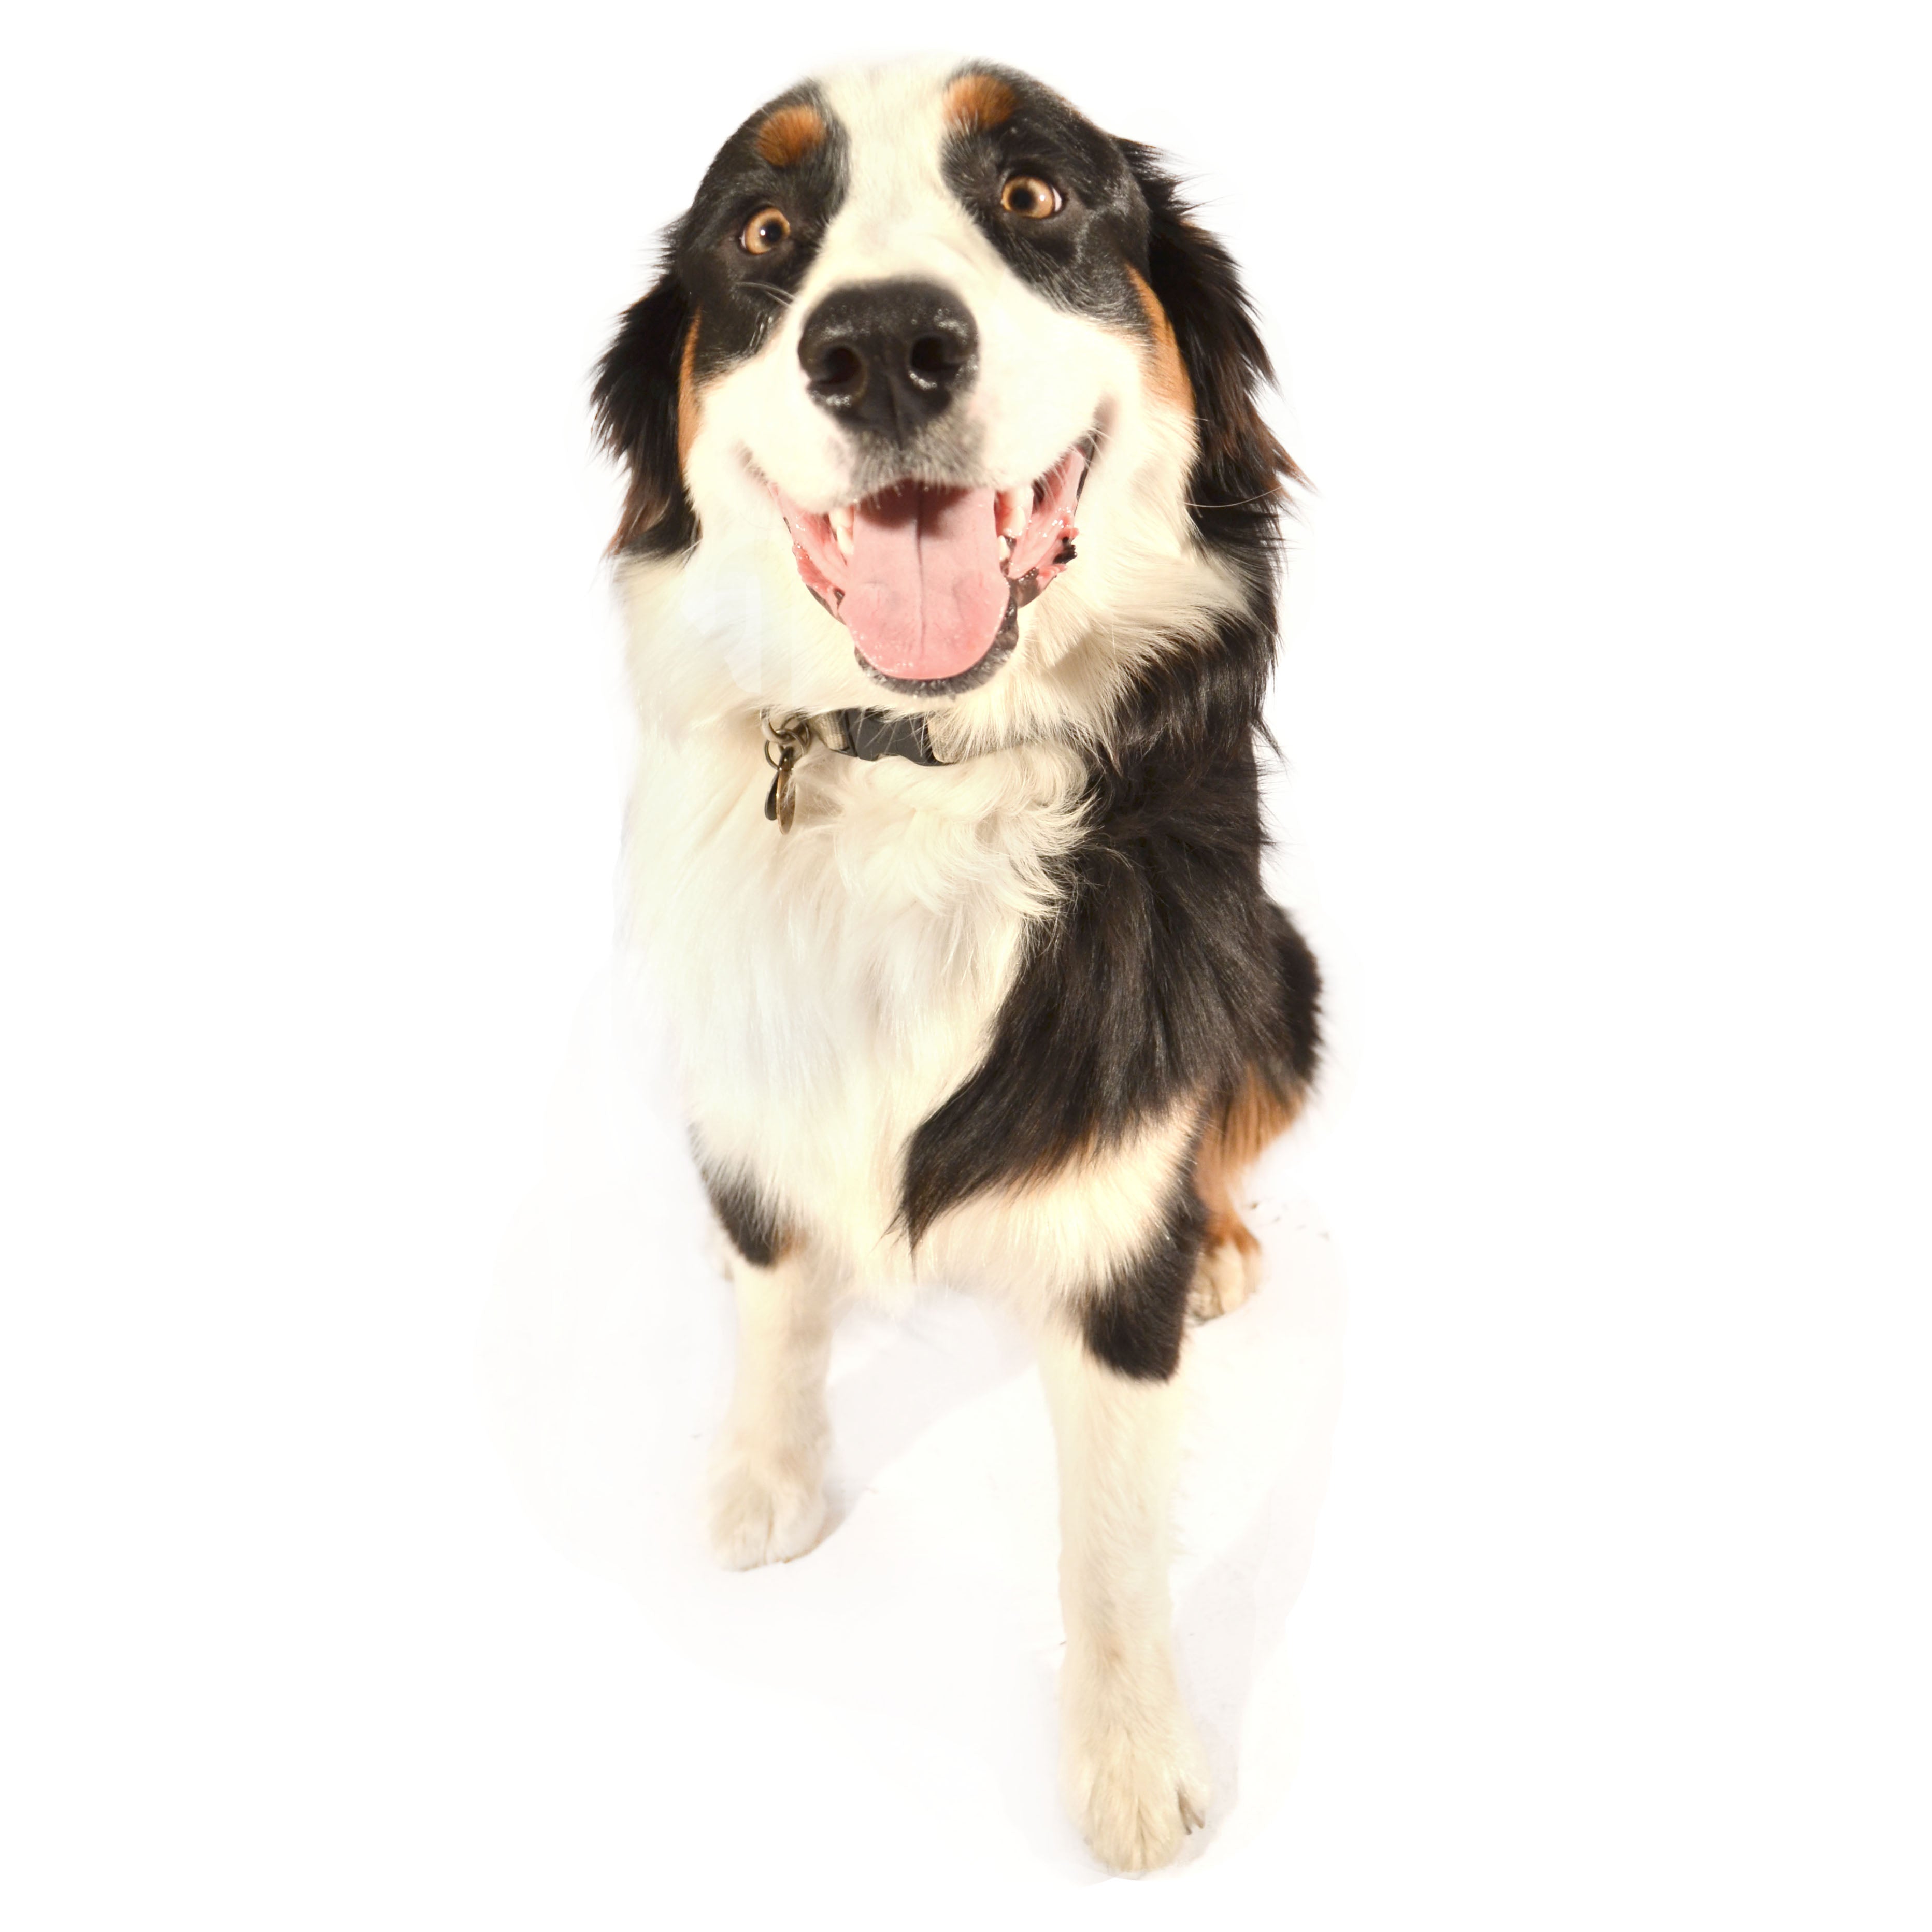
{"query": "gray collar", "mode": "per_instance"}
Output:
(855, 733)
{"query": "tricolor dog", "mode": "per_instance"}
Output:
(948, 556)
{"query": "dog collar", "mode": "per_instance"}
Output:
(854, 733)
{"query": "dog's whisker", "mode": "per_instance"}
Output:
(1266, 496)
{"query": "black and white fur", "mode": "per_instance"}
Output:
(1012, 1022)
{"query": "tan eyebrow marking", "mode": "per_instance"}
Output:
(1168, 377)
(975, 102)
(789, 135)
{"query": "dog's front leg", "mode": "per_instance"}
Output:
(1131, 1763)
(768, 1476)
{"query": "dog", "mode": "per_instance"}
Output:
(948, 553)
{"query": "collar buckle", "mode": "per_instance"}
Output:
(786, 740)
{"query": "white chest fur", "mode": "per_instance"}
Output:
(829, 987)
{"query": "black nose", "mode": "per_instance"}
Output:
(888, 356)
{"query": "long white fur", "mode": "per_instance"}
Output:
(830, 987)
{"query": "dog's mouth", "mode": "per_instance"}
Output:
(929, 579)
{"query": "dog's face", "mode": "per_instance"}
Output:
(910, 340)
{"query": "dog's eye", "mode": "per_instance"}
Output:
(1029, 196)
(764, 232)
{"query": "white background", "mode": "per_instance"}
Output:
(1603, 334)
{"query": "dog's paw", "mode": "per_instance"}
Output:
(1137, 1794)
(1135, 1779)
(1224, 1277)
(760, 1516)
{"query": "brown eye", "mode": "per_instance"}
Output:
(1029, 196)
(764, 232)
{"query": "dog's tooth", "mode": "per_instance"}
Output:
(1015, 507)
(843, 519)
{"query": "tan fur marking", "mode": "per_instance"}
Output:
(644, 506)
(975, 102)
(790, 135)
(1229, 1147)
(1168, 378)
(1229, 1268)
(687, 392)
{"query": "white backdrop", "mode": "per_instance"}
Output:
(351, 1349)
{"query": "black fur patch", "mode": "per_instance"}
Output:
(747, 1218)
(1238, 489)
(707, 281)
(741, 296)
(1136, 1322)
(1296, 1019)
(1166, 971)
(1078, 258)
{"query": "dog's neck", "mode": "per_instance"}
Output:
(854, 734)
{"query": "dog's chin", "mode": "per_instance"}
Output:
(929, 577)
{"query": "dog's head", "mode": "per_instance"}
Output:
(920, 329)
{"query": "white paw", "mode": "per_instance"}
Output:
(1136, 1782)
(762, 1516)
(1224, 1277)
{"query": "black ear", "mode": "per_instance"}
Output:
(1240, 479)
(636, 399)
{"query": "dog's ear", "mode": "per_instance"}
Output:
(637, 402)
(1241, 475)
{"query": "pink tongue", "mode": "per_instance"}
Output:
(924, 595)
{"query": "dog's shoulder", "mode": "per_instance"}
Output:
(1165, 973)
